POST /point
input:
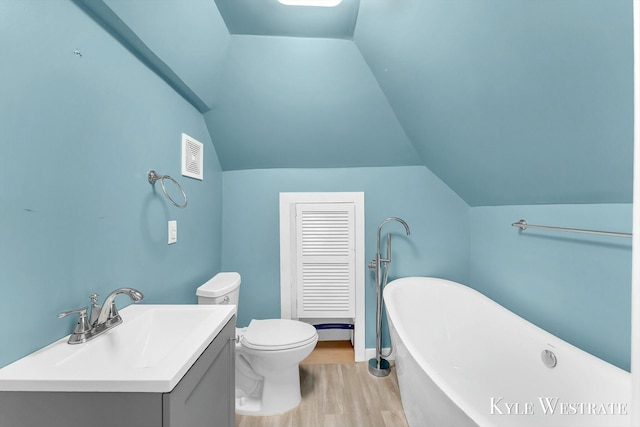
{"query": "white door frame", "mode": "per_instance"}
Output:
(287, 226)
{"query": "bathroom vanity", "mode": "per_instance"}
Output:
(146, 396)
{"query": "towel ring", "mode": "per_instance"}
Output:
(152, 176)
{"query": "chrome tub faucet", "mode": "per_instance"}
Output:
(107, 316)
(379, 366)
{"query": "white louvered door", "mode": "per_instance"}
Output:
(325, 260)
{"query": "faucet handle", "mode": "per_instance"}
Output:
(95, 308)
(81, 311)
(83, 324)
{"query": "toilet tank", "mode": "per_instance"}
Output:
(223, 288)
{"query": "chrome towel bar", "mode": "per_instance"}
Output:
(523, 225)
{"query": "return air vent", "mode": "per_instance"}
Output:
(192, 152)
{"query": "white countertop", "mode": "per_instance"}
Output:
(149, 352)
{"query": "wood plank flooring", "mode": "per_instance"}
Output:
(339, 395)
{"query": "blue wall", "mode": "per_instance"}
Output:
(78, 137)
(80, 133)
(578, 287)
(438, 245)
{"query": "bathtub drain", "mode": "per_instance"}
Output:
(549, 358)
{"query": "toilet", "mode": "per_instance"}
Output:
(268, 353)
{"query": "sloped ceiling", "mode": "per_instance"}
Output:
(293, 102)
(511, 101)
(271, 18)
(507, 101)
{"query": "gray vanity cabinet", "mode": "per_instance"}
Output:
(206, 394)
(204, 397)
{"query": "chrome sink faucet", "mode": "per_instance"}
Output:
(109, 312)
(107, 316)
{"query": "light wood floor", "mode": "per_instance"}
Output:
(339, 395)
(330, 352)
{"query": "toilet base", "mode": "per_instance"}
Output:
(248, 406)
(280, 393)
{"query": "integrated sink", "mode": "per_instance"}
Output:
(149, 352)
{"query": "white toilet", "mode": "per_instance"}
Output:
(268, 353)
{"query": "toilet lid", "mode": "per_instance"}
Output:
(278, 334)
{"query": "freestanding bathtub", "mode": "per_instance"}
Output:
(464, 360)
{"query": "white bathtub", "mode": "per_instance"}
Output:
(464, 360)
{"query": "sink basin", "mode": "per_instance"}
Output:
(149, 352)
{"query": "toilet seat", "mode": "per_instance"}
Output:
(277, 334)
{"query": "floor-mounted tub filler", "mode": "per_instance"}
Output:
(379, 366)
(464, 360)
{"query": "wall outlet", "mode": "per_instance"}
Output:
(173, 232)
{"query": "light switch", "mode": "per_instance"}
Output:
(173, 232)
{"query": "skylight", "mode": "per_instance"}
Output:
(317, 3)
